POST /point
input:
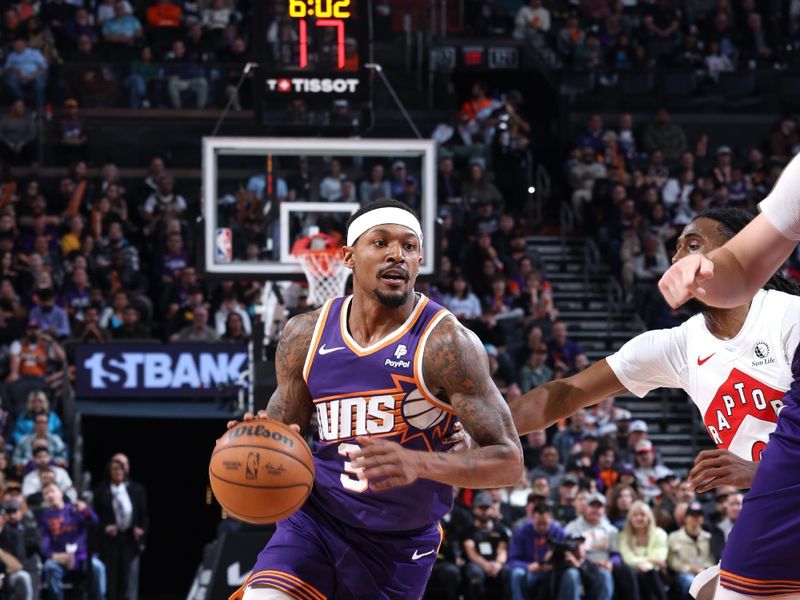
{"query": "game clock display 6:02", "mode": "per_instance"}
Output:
(321, 9)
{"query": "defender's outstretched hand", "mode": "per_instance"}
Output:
(684, 279)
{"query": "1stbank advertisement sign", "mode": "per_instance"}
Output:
(177, 370)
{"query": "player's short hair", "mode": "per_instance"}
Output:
(382, 203)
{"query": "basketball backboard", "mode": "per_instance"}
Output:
(260, 195)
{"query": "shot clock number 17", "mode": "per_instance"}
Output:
(327, 13)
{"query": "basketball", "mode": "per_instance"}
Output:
(261, 471)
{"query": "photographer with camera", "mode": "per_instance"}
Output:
(486, 546)
(531, 549)
(602, 550)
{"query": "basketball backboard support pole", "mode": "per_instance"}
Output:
(216, 263)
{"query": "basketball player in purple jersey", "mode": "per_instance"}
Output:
(760, 557)
(386, 371)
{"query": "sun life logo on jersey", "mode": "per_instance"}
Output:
(399, 353)
(761, 350)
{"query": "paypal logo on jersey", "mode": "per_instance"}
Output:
(399, 352)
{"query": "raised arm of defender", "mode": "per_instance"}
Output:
(731, 275)
(455, 364)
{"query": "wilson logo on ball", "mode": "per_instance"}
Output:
(259, 431)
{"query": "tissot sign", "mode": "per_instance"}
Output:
(137, 370)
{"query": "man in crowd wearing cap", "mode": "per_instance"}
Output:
(587, 448)
(400, 177)
(530, 547)
(601, 543)
(647, 471)
(486, 547)
(18, 581)
(689, 549)
(549, 466)
(564, 510)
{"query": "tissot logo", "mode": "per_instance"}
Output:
(314, 85)
(127, 370)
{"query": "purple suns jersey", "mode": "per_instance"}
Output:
(377, 391)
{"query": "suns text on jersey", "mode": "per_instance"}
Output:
(344, 418)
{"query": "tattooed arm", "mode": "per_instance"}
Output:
(455, 366)
(291, 402)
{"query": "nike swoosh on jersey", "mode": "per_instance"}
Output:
(417, 556)
(324, 350)
(700, 361)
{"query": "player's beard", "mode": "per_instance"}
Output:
(393, 299)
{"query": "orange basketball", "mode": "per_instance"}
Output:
(261, 471)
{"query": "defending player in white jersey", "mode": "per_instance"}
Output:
(734, 363)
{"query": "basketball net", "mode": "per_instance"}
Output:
(326, 273)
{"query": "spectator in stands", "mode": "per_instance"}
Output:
(163, 202)
(65, 535)
(647, 471)
(112, 315)
(18, 134)
(330, 188)
(73, 139)
(230, 305)
(185, 74)
(132, 328)
(562, 351)
(18, 584)
(549, 466)
(174, 259)
(400, 179)
(643, 546)
(89, 331)
(37, 403)
(462, 302)
(448, 185)
(142, 82)
(198, 331)
(44, 471)
(535, 372)
(620, 499)
(689, 549)
(665, 136)
(486, 547)
(569, 38)
(532, 445)
(477, 189)
(234, 327)
(75, 294)
(25, 68)
(121, 506)
(784, 140)
(376, 187)
(601, 543)
(568, 440)
(34, 355)
(122, 32)
(80, 24)
(530, 549)
(164, 15)
(217, 16)
(475, 110)
(732, 508)
(582, 177)
(637, 430)
(564, 509)
(49, 316)
(41, 436)
(532, 20)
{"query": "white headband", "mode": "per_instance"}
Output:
(383, 216)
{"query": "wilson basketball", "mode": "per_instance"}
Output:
(261, 471)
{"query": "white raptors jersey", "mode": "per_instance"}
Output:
(737, 384)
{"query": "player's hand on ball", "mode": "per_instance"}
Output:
(262, 414)
(684, 279)
(713, 468)
(384, 464)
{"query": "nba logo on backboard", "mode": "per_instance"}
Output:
(224, 245)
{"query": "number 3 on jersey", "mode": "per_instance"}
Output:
(349, 478)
